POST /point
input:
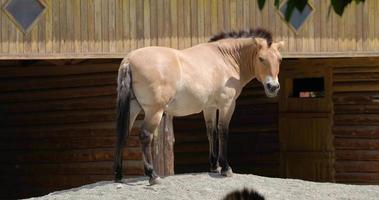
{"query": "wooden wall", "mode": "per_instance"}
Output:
(57, 126)
(305, 124)
(253, 143)
(111, 28)
(356, 121)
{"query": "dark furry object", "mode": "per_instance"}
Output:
(259, 32)
(244, 194)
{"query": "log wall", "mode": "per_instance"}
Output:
(356, 123)
(57, 126)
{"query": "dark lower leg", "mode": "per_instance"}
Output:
(223, 151)
(213, 157)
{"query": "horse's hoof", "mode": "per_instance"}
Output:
(228, 172)
(215, 170)
(155, 181)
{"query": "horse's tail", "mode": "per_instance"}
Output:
(124, 88)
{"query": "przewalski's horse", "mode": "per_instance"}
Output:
(207, 77)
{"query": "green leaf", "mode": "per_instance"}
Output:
(340, 5)
(277, 3)
(261, 4)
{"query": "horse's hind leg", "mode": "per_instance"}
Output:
(210, 115)
(149, 126)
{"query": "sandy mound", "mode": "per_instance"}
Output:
(213, 186)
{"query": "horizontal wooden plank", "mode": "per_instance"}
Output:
(64, 143)
(130, 167)
(65, 156)
(58, 117)
(357, 155)
(348, 64)
(346, 131)
(60, 70)
(56, 82)
(356, 109)
(357, 76)
(55, 94)
(356, 144)
(354, 68)
(357, 86)
(356, 98)
(356, 119)
(84, 103)
(366, 178)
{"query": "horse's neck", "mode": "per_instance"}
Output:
(238, 54)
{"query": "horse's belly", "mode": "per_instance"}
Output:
(185, 104)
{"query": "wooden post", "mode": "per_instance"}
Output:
(163, 147)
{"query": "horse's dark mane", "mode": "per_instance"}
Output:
(258, 32)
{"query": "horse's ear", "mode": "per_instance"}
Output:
(258, 43)
(279, 45)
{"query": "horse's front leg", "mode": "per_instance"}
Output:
(210, 115)
(225, 115)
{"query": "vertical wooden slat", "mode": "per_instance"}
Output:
(154, 22)
(77, 25)
(246, 11)
(84, 25)
(314, 28)
(70, 39)
(91, 25)
(187, 23)
(181, 25)
(227, 16)
(207, 20)
(98, 32)
(133, 25)
(119, 27)
(220, 15)
(376, 39)
(240, 15)
(146, 23)
(214, 17)
(5, 27)
(200, 21)
(49, 26)
(166, 23)
(34, 32)
(233, 15)
(41, 35)
(359, 26)
(371, 25)
(126, 24)
(105, 25)
(63, 26)
(112, 26)
(194, 28)
(161, 26)
(140, 26)
(55, 26)
(174, 23)
(324, 24)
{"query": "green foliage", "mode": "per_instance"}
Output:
(337, 5)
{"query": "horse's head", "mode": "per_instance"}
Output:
(266, 63)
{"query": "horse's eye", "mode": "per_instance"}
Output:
(261, 59)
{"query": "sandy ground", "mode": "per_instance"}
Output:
(213, 186)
